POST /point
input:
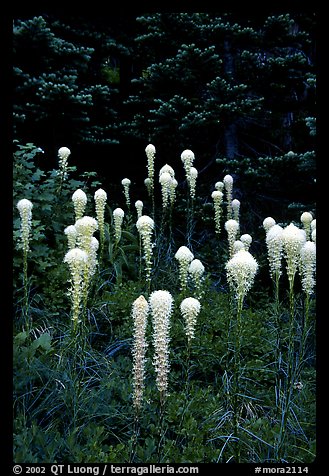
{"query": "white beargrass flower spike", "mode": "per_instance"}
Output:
(307, 266)
(217, 197)
(246, 240)
(24, 207)
(236, 209)
(293, 239)
(232, 228)
(140, 311)
(196, 272)
(190, 309)
(126, 184)
(165, 180)
(71, 234)
(192, 181)
(145, 227)
(161, 304)
(79, 199)
(63, 155)
(228, 185)
(241, 271)
(118, 215)
(150, 154)
(100, 198)
(306, 219)
(139, 208)
(77, 260)
(184, 257)
(268, 223)
(274, 243)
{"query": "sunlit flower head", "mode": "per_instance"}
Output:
(79, 199)
(241, 271)
(268, 223)
(190, 309)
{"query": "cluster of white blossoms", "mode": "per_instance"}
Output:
(139, 208)
(268, 223)
(140, 311)
(306, 219)
(307, 266)
(219, 186)
(237, 246)
(274, 245)
(126, 182)
(168, 185)
(217, 196)
(145, 226)
(100, 197)
(24, 207)
(192, 181)
(190, 309)
(118, 215)
(161, 304)
(228, 186)
(196, 272)
(184, 257)
(77, 260)
(150, 154)
(232, 228)
(79, 199)
(246, 240)
(187, 157)
(63, 155)
(86, 227)
(293, 239)
(71, 234)
(241, 271)
(81, 258)
(236, 209)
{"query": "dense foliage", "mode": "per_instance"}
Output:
(232, 379)
(73, 386)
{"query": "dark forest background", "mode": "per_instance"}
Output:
(236, 88)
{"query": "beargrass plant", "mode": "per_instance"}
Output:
(241, 271)
(203, 392)
(24, 207)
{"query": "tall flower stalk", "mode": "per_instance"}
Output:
(217, 197)
(149, 182)
(86, 227)
(161, 304)
(24, 207)
(145, 227)
(241, 271)
(100, 198)
(63, 155)
(118, 215)
(140, 311)
(191, 173)
(184, 256)
(77, 261)
(274, 243)
(126, 186)
(232, 228)
(307, 272)
(228, 186)
(293, 240)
